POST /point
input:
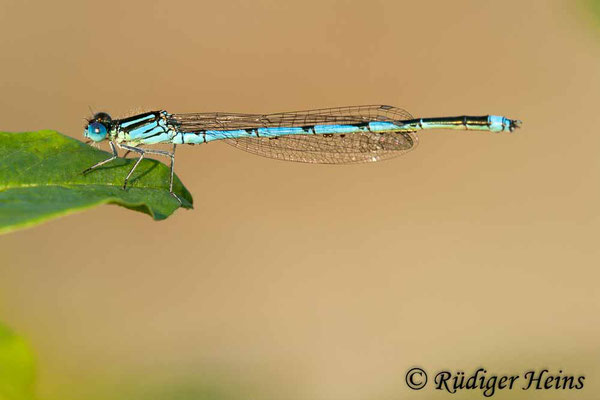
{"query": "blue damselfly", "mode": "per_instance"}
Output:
(340, 135)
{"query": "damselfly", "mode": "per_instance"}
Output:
(340, 135)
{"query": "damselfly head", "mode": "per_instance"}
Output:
(103, 118)
(98, 127)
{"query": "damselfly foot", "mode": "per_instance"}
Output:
(177, 198)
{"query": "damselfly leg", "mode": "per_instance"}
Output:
(142, 153)
(115, 155)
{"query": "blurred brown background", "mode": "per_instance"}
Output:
(293, 281)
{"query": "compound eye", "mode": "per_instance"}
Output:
(96, 131)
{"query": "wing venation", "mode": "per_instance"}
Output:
(311, 148)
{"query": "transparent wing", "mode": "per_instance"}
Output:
(334, 149)
(229, 121)
(311, 148)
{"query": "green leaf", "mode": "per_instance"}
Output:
(41, 178)
(593, 6)
(17, 371)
